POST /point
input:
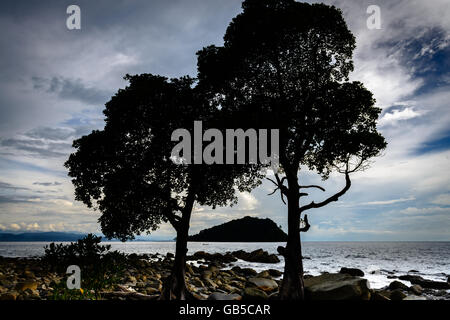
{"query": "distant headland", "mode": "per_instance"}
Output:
(247, 229)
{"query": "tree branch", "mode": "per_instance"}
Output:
(311, 186)
(279, 186)
(174, 220)
(335, 197)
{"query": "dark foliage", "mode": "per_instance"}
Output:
(100, 267)
(125, 171)
(285, 65)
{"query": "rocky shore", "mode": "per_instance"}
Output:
(211, 277)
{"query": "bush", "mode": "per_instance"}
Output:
(100, 267)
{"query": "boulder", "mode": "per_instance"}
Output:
(336, 286)
(416, 289)
(22, 286)
(215, 257)
(275, 273)
(197, 282)
(259, 255)
(9, 296)
(424, 283)
(379, 296)
(224, 296)
(397, 295)
(264, 274)
(28, 274)
(151, 291)
(170, 255)
(352, 271)
(252, 293)
(248, 272)
(264, 284)
(398, 285)
(189, 269)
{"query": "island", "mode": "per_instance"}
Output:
(247, 229)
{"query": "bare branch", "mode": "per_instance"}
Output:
(275, 183)
(303, 194)
(311, 186)
(279, 186)
(335, 197)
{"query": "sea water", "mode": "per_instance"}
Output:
(378, 260)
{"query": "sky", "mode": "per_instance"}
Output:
(54, 83)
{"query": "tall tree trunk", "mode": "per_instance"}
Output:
(292, 284)
(175, 286)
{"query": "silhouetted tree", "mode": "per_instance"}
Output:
(126, 172)
(285, 65)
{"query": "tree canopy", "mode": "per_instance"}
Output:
(125, 171)
(286, 65)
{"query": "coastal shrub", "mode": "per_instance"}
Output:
(100, 267)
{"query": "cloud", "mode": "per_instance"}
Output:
(47, 184)
(442, 199)
(398, 115)
(247, 201)
(8, 186)
(14, 226)
(385, 202)
(55, 83)
(424, 211)
(71, 89)
(49, 133)
(34, 147)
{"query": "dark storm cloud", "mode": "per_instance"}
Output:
(49, 71)
(71, 90)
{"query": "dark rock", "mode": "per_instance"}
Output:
(224, 296)
(398, 285)
(397, 295)
(247, 272)
(275, 273)
(424, 283)
(9, 296)
(259, 255)
(413, 271)
(216, 258)
(416, 289)
(336, 286)
(378, 296)
(22, 286)
(352, 271)
(267, 285)
(253, 293)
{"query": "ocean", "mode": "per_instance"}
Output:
(378, 260)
